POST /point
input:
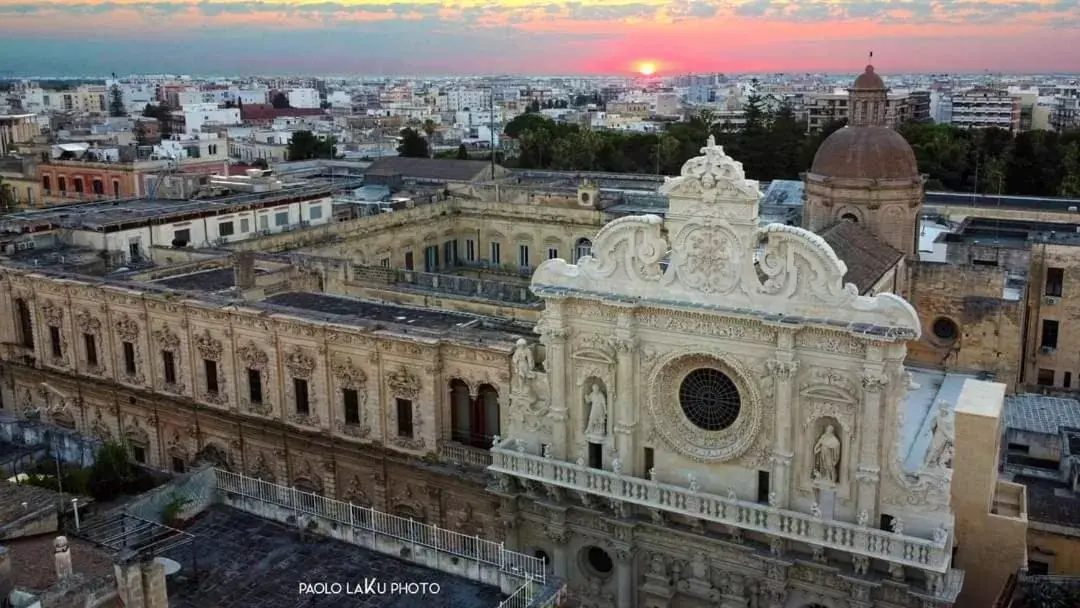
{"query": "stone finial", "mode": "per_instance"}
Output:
(62, 557)
(864, 518)
(652, 474)
(694, 487)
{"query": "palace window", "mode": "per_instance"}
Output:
(1055, 280)
(255, 393)
(351, 399)
(300, 390)
(26, 326)
(553, 253)
(211, 371)
(474, 420)
(582, 249)
(404, 417)
(470, 250)
(1049, 334)
(168, 362)
(90, 346)
(523, 256)
(56, 342)
(496, 253)
(129, 359)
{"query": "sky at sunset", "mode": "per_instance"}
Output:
(357, 37)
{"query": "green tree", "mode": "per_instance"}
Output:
(116, 101)
(412, 144)
(304, 145)
(462, 152)
(430, 128)
(280, 100)
(112, 471)
(1070, 182)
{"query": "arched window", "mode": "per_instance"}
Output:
(582, 248)
(850, 217)
(475, 421)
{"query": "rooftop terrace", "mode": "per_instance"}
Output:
(114, 214)
(248, 562)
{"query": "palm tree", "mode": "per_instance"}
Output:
(429, 129)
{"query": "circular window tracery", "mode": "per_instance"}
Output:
(709, 399)
(945, 329)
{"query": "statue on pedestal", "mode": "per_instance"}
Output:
(827, 456)
(597, 421)
(941, 444)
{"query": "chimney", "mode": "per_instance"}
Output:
(62, 556)
(244, 269)
(140, 581)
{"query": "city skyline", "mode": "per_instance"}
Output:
(621, 37)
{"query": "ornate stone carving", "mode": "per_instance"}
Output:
(690, 440)
(355, 493)
(51, 313)
(252, 356)
(87, 323)
(874, 383)
(403, 383)
(127, 328)
(721, 257)
(167, 338)
(208, 346)
(782, 370)
(299, 363)
(347, 374)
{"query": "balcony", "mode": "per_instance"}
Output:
(924, 554)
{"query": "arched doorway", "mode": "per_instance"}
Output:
(582, 248)
(474, 420)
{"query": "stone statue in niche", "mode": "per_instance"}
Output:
(942, 441)
(524, 363)
(597, 402)
(827, 456)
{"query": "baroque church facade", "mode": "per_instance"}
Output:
(716, 419)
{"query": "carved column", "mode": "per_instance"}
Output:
(560, 553)
(555, 363)
(783, 369)
(624, 576)
(868, 472)
(623, 417)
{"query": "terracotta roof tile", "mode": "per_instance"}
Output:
(868, 258)
(265, 111)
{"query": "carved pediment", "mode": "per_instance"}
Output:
(711, 252)
(827, 393)
(593, 355)
(299, 363)
(403, 383)
(208, 346)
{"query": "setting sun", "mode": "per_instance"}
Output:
(647, 69)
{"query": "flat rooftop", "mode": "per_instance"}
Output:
(346, 308)
(102, 215)
(249, 562)
(1041, 414)
(1050, 502)
(33, 565)
(13, 497)
(212, 281)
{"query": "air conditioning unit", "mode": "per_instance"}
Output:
(1050, 300)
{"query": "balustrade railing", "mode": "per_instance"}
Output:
(526, 567)
(464, 455)
(925, 554)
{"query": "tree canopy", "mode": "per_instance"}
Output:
(305, 146)
(163, 116)
(116, 101)
(773, 144)
(412, 144)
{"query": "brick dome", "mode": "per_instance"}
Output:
(865, 153)
(869, 81)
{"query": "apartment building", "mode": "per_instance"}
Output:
(196, 116)
(16, 129)
(84, 99)
(823, 108)
(304, 98)
(983, 107)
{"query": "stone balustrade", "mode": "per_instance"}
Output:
(925, 554)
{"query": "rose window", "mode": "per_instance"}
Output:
(710, 399)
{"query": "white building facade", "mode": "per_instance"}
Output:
(304, 98)
(716, 419)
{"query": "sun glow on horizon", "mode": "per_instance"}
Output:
(646, 68)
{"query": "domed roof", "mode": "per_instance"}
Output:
(865, 153)
(869, 80)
